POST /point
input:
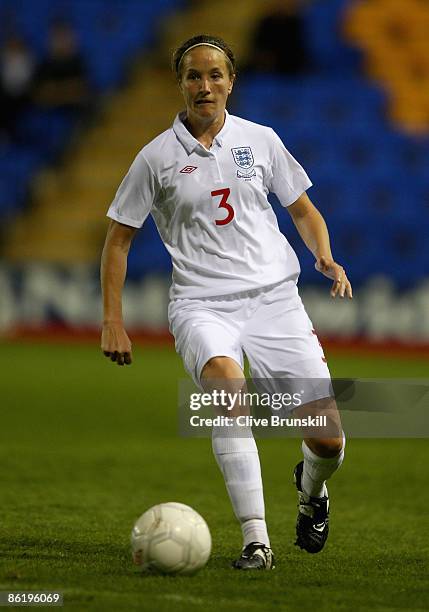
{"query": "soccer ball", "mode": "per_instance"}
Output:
(171, 538)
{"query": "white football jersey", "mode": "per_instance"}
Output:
(211, 207)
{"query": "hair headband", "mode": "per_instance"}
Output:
(200, 44)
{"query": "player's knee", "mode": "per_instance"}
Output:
(221, 367)
(327, 447)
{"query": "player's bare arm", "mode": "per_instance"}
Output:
(115, 343)
(314, 232)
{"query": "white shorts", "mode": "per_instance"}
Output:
(269, 325)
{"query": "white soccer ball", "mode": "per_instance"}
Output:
(171, 538)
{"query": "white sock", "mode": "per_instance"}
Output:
(317, 470)
(237, 456)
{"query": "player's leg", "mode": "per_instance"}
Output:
(237, 456)
(285, 354)
(208, 341)
(323, 451)
(322, 446)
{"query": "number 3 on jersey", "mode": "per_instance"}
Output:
(224, 204)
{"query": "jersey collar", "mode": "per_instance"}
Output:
(188, 141)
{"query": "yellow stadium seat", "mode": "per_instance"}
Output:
(394, 34)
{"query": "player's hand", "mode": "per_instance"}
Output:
(341, 285)
(115, 343)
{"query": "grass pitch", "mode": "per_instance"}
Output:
(86, 447)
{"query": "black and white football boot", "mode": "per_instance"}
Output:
(312, 524)
(255, 556)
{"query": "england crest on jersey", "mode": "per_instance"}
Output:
(243, 157)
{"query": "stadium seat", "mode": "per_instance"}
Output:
(110, 32)
(366, 175)
(148, 255)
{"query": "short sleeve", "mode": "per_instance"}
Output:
(136, 195)
(287, 178)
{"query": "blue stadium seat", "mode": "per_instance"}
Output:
(323, 36)
(371, 182)
(110, 32)
(148, 255)
(17, 166)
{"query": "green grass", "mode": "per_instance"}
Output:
(85, 447)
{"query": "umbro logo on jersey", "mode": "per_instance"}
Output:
(188, 169)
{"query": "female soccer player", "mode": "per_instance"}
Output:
(205, 181)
